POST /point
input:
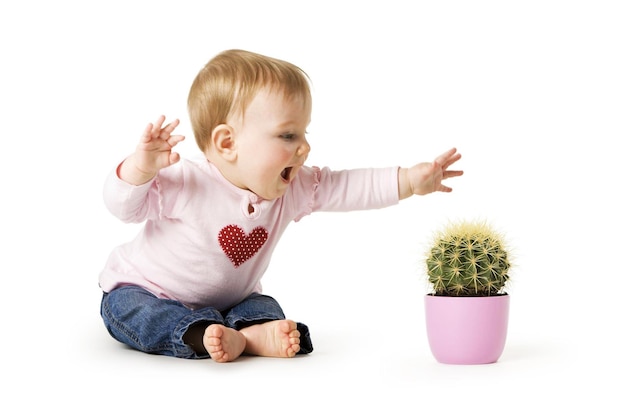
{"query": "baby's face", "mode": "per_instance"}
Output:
(271, 143)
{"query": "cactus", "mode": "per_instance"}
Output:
(468, 258)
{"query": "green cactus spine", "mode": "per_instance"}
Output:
(468, 258)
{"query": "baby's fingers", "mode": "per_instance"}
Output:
(175, 139)
(445, 156)
(174, 157)
(448, 158)
(146, 136)
(452, 173)
(157, 126)
(156, 130)
(169, 128)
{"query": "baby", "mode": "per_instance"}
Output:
(189, 284)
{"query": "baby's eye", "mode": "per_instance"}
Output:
(288, 136)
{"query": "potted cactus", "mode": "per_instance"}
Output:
(468, 309)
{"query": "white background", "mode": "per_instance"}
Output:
(532, 93)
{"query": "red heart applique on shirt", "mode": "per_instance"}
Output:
(238, 245)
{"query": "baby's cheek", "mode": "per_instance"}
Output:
(282, 157)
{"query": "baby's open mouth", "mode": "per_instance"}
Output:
(286, 173)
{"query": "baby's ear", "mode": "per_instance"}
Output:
(223, 142)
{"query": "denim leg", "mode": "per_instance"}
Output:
(257, 309)
(139, 319)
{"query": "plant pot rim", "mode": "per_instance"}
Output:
(465, 296)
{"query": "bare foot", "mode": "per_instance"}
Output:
(278, 338)
(223, 344)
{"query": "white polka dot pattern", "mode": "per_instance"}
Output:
(238, 245)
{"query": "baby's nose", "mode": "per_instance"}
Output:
(303, 149)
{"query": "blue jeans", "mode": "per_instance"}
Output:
(137, 318)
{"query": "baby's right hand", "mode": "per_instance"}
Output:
(153, 152)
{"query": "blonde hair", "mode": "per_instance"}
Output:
(229, 82)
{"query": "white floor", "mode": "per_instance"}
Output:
(564, 355)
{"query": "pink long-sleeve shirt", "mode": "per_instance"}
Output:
(201, 245)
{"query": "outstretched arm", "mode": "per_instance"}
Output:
(425, 178)
(153, 153)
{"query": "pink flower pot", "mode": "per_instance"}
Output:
(467, 330)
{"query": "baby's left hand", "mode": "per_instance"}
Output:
(425, 178)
